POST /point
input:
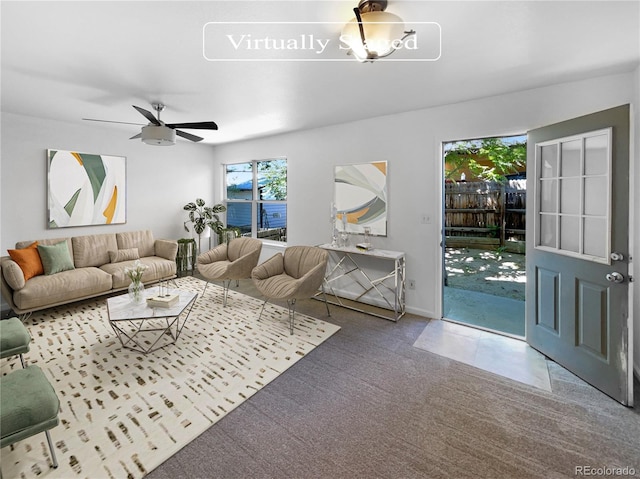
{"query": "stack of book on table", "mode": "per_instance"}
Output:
(165, 301)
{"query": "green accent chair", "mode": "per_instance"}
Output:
(14, 339)
(28, 405)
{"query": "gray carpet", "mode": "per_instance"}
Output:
(367, 404)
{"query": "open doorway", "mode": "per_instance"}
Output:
(484, 233)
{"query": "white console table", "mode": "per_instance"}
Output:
(387, 288)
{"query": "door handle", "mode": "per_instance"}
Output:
(615, 277)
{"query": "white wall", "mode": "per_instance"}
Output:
(160, 180)
(410, 142)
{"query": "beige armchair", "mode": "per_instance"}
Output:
(229, 261)
(297, 274)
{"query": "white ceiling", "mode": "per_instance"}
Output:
(72, 60)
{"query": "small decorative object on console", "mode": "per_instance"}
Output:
(366, 245)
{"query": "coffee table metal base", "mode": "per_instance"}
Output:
(145, 329)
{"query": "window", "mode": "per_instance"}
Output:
(256, 198)
(573, 177)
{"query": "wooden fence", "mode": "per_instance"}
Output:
(486, 215)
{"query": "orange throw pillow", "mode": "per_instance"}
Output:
(28, 259)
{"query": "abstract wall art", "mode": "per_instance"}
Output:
(360, 195)
(85, 189)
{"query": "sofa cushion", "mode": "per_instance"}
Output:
(48, 241)
(93, 250)
(123, 255)
(12, 273)
(167, 249)
(62, 288)
(143, 240)
(55, 258)
(157, 269)
(28, 259)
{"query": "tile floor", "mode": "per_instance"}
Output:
(508, 357)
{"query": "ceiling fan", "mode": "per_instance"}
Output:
(159, 133)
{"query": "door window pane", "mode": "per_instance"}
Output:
(570, 196)
(570, 159)
(595, 195)
(549, 163)
(595, 155)
(570, 233)
(594, 241)
(548, 230)
(548, 197)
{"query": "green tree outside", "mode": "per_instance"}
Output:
(504, 157)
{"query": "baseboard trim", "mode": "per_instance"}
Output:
(420, 312)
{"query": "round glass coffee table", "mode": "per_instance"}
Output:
(143, 328)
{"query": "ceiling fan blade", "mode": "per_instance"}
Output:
(148, 115)
(111, 121)
(139, 135)
(201, 125)
(188, 136)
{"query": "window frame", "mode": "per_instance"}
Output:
(581, 215)
(255, 200)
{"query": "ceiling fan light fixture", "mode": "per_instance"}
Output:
(373, 33)
(158, 135)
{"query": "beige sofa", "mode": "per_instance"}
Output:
(98, 269)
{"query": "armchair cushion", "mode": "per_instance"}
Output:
(219, 253)
(272, 267)
(234, 260)
(295, 275)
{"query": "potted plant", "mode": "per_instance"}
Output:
(202, 216)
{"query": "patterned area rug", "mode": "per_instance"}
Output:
(122, 413)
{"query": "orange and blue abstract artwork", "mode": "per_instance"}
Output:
(361, 197)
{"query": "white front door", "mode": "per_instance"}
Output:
(578, 286)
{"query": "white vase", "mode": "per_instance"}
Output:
(202, 239)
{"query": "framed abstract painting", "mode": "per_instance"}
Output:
(85, 189)
(360, 197)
